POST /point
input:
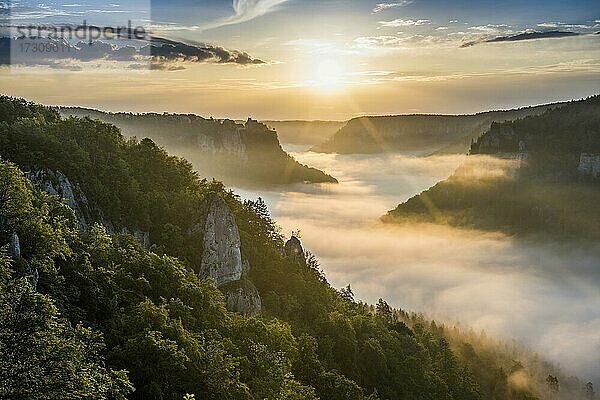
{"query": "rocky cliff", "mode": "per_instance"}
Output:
(242, 297)
(55, 183)
(589, 165)
(222, 259)
(8, 237)
(247, 153)
(294, 251)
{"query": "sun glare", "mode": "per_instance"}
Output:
(326, 75)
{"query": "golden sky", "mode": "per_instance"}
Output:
(333, 59)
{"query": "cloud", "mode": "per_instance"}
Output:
(548, 25)
(523, 36)
(158, 53)
(563, 25)
(490, 28)
(402, 42)
(165, 53)
(403, 22)
(16, 11)
(245, 10)
(386, 6)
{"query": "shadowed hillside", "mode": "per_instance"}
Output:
(244, 154)
(441, 134)
(537, 175)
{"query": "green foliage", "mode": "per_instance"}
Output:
(103, 299)
(260, 161)
(42, 356)
(544, 195)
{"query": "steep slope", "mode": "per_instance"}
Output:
(420, 133)
(154, 319)
(247, 154)
(537, 175)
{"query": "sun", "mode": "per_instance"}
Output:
(326, 74)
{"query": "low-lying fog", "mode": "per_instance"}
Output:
(546, 296)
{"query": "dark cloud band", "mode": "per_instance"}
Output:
(523, 36)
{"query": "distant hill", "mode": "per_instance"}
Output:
(305, 132)
(539, 175)
(420, 132)
(244, 154)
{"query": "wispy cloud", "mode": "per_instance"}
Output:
(402, 42)
(577, 66)
(403, 22)
(386, 6)
(16, 11)
(245, 10)
(563, 25)
(490, 28)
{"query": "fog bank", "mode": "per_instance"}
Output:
(545, 295)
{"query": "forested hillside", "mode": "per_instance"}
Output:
(537, 175)
(247, 154)
(442, 134)
(90, 312)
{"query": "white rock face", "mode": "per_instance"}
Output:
(57, 184)
(206, 143)
(229, 143)
(233, 144)
(142, 237)
(222, 257)
(589, 164)
(14, 247)
(244, 300)
(10, 237)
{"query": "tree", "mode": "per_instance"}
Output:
(589, 391)
(553, 384)
(15, 192)
(42, 356)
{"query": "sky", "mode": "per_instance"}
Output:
(308, 59)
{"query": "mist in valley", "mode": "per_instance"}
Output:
(544, 295)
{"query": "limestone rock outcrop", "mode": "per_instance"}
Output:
(243, 297)
(589, 164)
(142, 237)
(294, 251)
(9, 237)
(57, 184)
(222, 256)
(222, 260)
